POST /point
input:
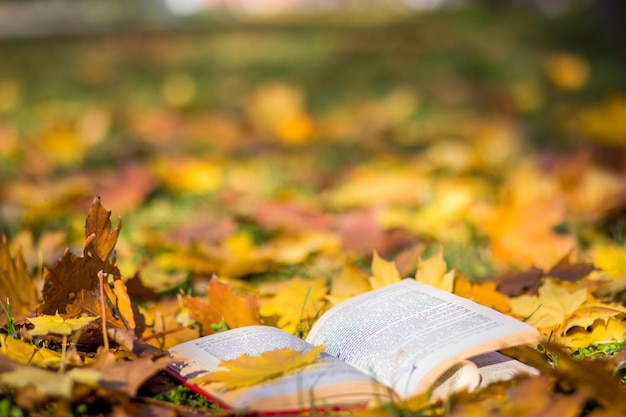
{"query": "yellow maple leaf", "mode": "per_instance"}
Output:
(611, 262)
(433, 272)
(600, 331)
(383, 272)
(554, 305)
(250, 370)
(295, 302)
(26, 353)
(44, 383)
(591, 311)
(484, 293)
(18, 288)
(348, 283)
(56, 324)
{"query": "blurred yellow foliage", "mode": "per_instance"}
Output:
(189, 175)
(605, 122)
(567, 71)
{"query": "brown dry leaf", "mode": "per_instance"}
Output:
(519, 282)
(17, 285)
(251, 370)
(99, 234)
(433, 272)
(223, 304)
(72, 287)
(484, 293)
(126, 376)
(565, 270)
(595, 376)
(71, 275)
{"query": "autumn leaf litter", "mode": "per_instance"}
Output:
(273, 233)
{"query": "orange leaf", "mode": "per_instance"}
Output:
(222, 303)
(483, 293)
(98, 231)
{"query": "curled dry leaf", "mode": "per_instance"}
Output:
(126, 376)
(99, 234)
(71, 287)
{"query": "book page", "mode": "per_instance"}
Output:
(495, 367)
(407, 334)
(328, 381)
(204, 354)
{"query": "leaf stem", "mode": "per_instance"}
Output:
(105, 336)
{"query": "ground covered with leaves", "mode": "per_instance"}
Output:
(264, 172)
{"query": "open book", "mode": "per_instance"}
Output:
(386, 344)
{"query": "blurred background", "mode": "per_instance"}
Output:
(154, 101)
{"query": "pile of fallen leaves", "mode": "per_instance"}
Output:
(268, 209)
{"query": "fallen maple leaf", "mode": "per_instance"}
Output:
(223, 304)
(551, 308)
(72, 287)
(46, 384)
(484, 293)
(433, 272)
(349, 282)
(611, 262)
(519, 282)
(601, 331)
(295, 302)
(58, 325)
(250, 370)
(383, 272)
(521, 233)
(99, 235)
(27, 353)
(18, 289)
(125, 376)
